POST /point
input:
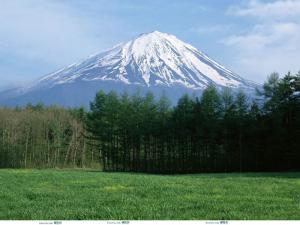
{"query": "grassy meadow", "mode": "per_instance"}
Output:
(93, 195)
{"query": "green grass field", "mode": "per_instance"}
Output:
(81, 194)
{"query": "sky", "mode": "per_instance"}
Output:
(253, 38)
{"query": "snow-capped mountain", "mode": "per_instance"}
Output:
(154, 61)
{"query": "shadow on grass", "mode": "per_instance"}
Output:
(292, 175)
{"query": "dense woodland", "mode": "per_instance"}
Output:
(39, 137)
(221, 131)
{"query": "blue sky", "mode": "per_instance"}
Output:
(253, 38)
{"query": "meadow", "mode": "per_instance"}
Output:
(93, 195)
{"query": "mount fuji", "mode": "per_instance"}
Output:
(155, 61)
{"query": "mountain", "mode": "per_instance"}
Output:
(154, 61)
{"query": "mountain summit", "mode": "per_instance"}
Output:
(149, 60)
(153, 61)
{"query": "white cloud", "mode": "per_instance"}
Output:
(279, 8)
(48, 31)
(266, 35)
(272, 44)
(38, 37)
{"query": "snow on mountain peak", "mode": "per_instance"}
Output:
(151, 59)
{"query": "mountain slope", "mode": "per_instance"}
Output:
(154, 61)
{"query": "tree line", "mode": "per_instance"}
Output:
(44, 137)
(220, 131)
(217, 132)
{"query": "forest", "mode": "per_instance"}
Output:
(220, 131)
(44, 137)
